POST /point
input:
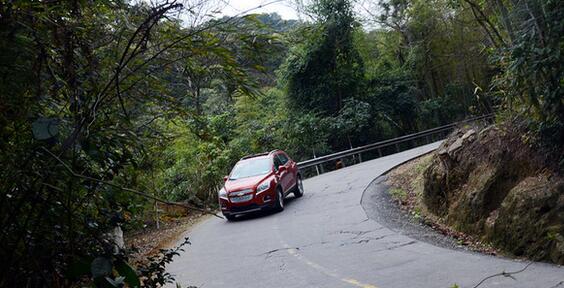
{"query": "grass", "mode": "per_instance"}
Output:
(398, 194)
(422, 165)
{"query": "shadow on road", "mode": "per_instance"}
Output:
(268, 213)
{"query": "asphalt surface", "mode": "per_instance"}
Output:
(325, 239)
(380, 207)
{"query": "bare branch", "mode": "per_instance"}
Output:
(504, 274)
(484, 20)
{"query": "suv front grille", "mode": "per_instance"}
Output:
(240, 192)
(243, 198)
(244, 208)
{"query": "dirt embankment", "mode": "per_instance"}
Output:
(406, 184)
(493, 185)
(174, 221)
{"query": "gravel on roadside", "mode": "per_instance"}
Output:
(393, 200)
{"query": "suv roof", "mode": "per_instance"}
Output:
(259, 154)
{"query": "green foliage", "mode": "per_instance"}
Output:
(154, 273)
(104, 95)
(326, 69)
(353, 119)
(531, 82)
(197, 160)
(94, 99)
(266, 123)
(398, 194)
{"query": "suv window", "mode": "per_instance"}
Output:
(283, 158)
(250, 167)
(277, 162)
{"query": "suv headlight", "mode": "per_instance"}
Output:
(222, 193)
(263, 186)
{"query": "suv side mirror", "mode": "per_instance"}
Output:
(281, 168)
(225, 178)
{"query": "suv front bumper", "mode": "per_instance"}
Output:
(263, 201)
(236, 210)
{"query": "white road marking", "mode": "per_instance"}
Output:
(294, 252)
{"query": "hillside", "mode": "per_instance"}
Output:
(493, 184)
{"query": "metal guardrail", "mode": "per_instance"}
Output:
(386, 143)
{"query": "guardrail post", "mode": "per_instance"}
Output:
(397, 148)
(359, 158)
(379, 153)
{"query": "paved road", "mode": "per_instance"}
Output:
(324, 239)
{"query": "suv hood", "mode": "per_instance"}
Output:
(245, 183)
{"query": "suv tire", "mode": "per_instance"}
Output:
(299, 189)
(279, 205)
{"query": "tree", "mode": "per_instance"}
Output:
(89, 97)
(352, 120)
(531, 64)
(327, 68)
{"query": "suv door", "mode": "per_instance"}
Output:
(288, 179)
(292, 166)
(281, 175)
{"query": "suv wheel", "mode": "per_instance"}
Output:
(230, 217)
(279, 205)
(299, 190)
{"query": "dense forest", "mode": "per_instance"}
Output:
(108, 106)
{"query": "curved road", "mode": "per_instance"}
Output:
(324, 239)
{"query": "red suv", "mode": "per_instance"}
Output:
(260, 182)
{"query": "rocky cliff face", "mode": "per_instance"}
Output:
(490, 183)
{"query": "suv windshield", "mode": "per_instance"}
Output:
(251, 167)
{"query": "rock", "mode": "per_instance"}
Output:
(557, 254)
(528, 223)
(435, 198)
(115, 239)
(442, 151)
(468, 134)
(490, 221)
(455, 146)
(497, 188)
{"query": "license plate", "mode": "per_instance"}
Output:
(242, 198)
